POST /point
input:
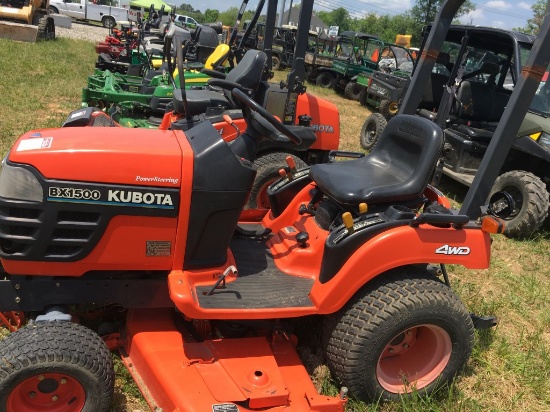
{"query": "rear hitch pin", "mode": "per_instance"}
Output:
(221, 279)
(343, 393)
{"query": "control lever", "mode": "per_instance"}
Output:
(221, 279)
(230, 122)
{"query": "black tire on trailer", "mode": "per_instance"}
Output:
(275, 63)
(371, 130)
(108, 22)
(325, 80)
(388, 108)
(353, 90)
(46, 28)
(363, 97)
(406, 331)
(268, 166)
(58, 365)
(531, 200)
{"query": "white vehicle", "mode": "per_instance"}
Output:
(89, 11)
(186, 21)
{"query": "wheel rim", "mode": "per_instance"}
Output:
(516, 194)
(52, 392)
(414, 359)
(393, 108)
(370, 133)
(262, 200)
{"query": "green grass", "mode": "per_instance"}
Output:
(510, 366)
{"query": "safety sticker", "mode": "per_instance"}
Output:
(158, 247)
(35, 144)
(225, 407)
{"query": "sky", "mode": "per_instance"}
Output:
(504, 14)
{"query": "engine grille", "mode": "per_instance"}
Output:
(32, 231)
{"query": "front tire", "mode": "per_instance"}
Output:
(325, 80)
(388, 108)
(353, 90)
(404, 332)
(531, 198)
(57, 366)
(371, 130)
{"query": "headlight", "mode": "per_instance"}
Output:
(19, 184)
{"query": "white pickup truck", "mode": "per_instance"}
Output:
(89, 11)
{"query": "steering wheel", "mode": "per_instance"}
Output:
(252, 105)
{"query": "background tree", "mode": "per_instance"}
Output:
(534, 23)
(210, 16)
(338, 17)
(424, 11)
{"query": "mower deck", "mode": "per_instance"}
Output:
(241, 374)
(260, 283)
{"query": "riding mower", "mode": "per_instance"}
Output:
(105, 88)
(146, 227)
(149, 93)
(289, 102)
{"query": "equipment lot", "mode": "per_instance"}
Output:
(510, 367)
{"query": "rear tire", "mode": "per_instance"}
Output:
(388, 108)
(275, 63)
(403, 332)
(325, 80)
(108, 22)
(363, 97)
(268, 167)
(55, 365)
(531, 197)
(353, 90)
(371, 130)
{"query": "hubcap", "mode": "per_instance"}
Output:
(51, 392)
(414, 359)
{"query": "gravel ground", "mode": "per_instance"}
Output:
(83, 31)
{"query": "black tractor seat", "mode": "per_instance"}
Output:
(397, 169)
(247, 75)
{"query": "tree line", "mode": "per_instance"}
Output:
(385, 26)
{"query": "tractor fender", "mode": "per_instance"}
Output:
(401, 246)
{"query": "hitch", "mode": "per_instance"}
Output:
(484, 322)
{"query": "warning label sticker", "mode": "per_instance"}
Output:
(225, 407)
(158, 247)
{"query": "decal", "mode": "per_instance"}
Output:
(127, 196)
(326, 128)
(225, 407)
(114, 196)
(35, 143)
(158, 247)
(77, 114)
(290, 229)
(157, 179)
(453, 250)
(73, 193)
(378, 90)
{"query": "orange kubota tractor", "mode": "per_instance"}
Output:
(26, 20)
(143, 226)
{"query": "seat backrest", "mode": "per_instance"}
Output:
(480, 102)
(409, 146)
(248, 73)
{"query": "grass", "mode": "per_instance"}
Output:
(510, 367)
